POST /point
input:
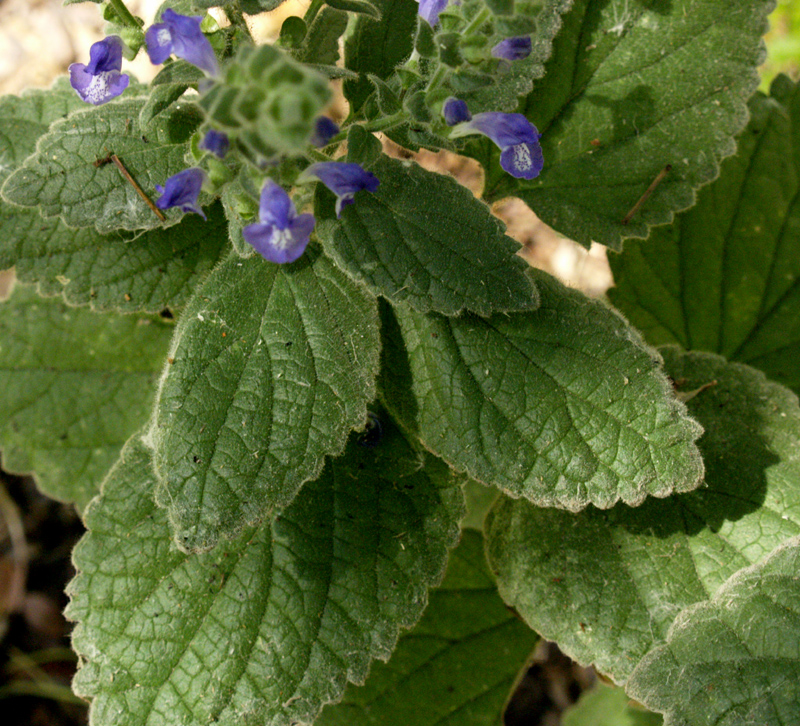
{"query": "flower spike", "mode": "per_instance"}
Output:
(101, 80)
(521, 154)
(512, 49)
(181, 35)
(182, 190)
(343, 179)
(281, 235)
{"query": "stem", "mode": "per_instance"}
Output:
(477, 21)
(313, 9)
(438, 77)
(124, 14)
(381, 124)
(236, 17)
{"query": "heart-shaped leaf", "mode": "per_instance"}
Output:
(626, 573)
(271, 368)
(272, 624)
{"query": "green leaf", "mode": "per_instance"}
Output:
(627, 573)
(364, 7)
(252, 7)
(169, 85)
(271, 368)
(725, 277)
(605, 705)
(480, 499)
(321, 43)
(424, 239)
(456, 667)
(271, 625)
(73, 387)
(564, 406)
(23, 119)
(67, 177)
(516, 79)
(734, 659)
(378, 47)
(630, 88)
(148, 273)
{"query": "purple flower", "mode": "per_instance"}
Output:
(518, 139)
(101, 80)
(282, 234)
(430, 9)
(181, 35)
(513, 48)
(181, 190)
(343, 179)
(455, 111)
(216, 142)
(324, 130)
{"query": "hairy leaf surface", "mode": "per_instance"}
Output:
(270, 625)
(424, 239)
(626, 573)
(24, 118)
(378, 46)
(516, 79)
(736, 658)
(564, 406)
(456, 667)
(725, 277)
(271, 367)
(146, 273)
(605, 705)
(73, 387)
(71, 176)
(631, 87)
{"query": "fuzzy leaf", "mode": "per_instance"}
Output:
(736, 658)
(23, 119)
(321, 43)
(148, 273)
(73, 387)
(631, 87)
(605, 705)
(272, 367)
(378, 47)
(725, 277)
(626, 573)
(564, 406)
(272, 624)
(513, 80)
(456, 667)
(424, 239)
(169, 85)
(67, 177)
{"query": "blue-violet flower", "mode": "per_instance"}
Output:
(343, 179)
(518, 140)
(216, 142)
(324, 130)
(101, 80)
(430, 9)
(282, 234)
(455, 111)
(182, 190)
(181, 35)
(512, 49)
